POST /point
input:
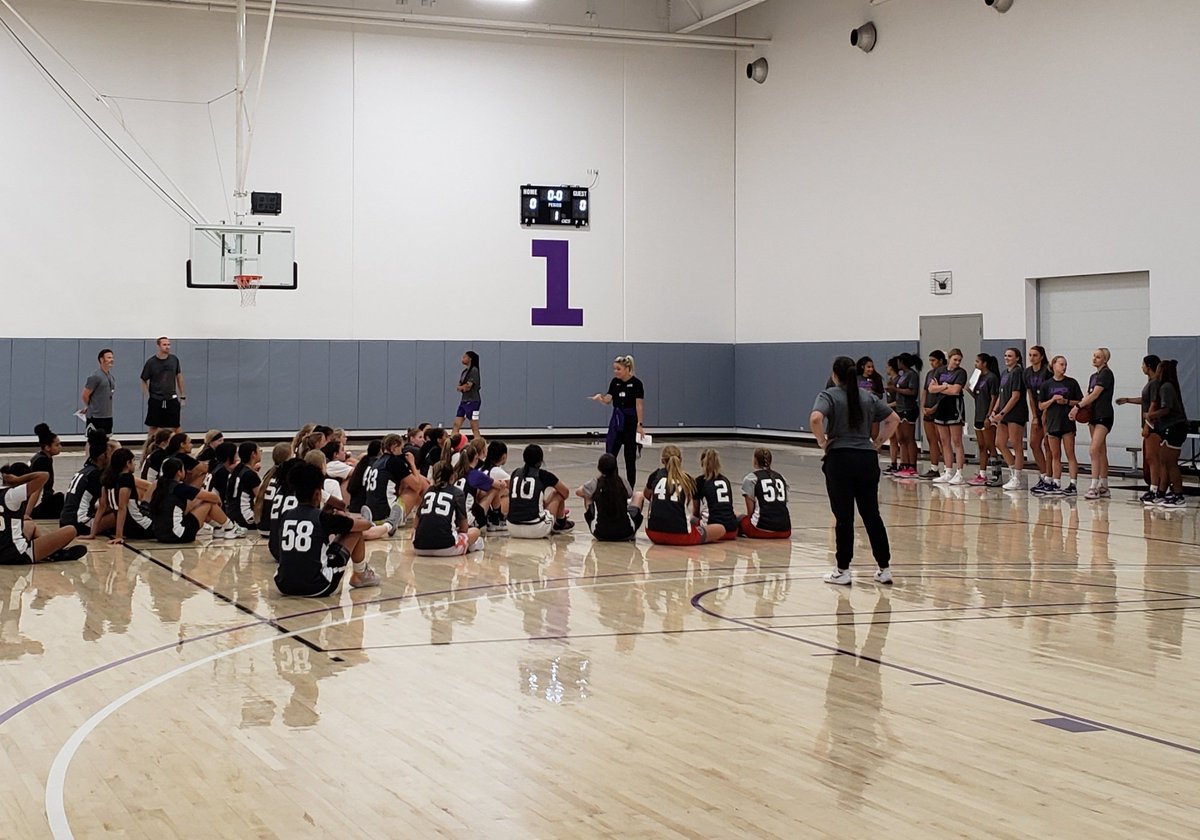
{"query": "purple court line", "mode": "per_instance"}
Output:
(916, 672)
(13, 711)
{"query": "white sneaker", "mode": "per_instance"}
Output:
(944, 478)
(838, 577)
(1013, 483)
(883, 576)
(234, 533)
(957, 478)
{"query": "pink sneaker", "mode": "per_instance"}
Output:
(979, 480)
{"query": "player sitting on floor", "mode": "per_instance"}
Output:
(441, 528)
(671, 492)
(537, 499)
(766, 495)
(20, 541)
(612, 513)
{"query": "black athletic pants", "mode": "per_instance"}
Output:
(852, 478)
(627, 438)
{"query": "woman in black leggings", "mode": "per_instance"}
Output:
(626, 395)
(841, 422)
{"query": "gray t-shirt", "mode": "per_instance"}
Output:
(101, 386)
(160, 374)
(1168, 398)
(1102, 408)
(470, 377)
(832, 403)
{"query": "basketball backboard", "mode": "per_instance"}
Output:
(221, 252)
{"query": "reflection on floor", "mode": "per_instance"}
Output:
(562, 688)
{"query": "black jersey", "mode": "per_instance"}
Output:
(136, 513)
(79, 504)
(14, 547)
(382, 482)
(240, 491)
(442, 510)
(716, 501)
(669, 506)
(169, 518)
(268, 514)
(153, 464)
(41, 462)
(217, 480)
(770, 492)
(527, 494)
(301, 544)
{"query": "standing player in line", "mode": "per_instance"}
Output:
(907, 389)
(162, 383)
(1099, 402)
(627, 396)
(1057, 398)
(937, 359)
(468, 389)
(1170, 421)
(949, 417)
(985, 394)
(1035, 375)
(1010, 416)
(1148, 397)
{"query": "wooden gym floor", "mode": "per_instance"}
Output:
(1029, 674)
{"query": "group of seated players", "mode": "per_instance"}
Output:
(317, 504)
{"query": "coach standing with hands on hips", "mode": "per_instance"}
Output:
(841, 422)
(162, 383)
(626, 395)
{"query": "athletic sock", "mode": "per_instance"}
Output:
(360, 567)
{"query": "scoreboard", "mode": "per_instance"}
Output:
(555, 206)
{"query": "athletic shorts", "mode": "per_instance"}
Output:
(693, 537)
(616, 534)
(457, 550)
(9, 556)
(1060, 433)
(748, 529)
(1106, 423)
(979, 426)
(948, 413)
(191, 527)
(907, 415)
(162, 414)
(1174, 435)
(134, 531)
(469, 410)
(100, 424)
(82, 529)
(1013, 419)
(532, 530)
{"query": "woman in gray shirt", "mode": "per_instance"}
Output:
(468, 389)
(1097, 411)
(841, 421)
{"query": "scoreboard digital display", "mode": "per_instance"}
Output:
(555, 206)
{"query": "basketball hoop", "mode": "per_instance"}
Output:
(248, 285)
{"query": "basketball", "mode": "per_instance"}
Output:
(1083, 415)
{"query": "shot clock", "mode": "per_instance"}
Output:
(554, 206)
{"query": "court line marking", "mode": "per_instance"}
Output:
(917, 672)
(55, 800)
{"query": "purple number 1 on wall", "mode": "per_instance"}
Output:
(557, 312)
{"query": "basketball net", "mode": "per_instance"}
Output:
(248, 285)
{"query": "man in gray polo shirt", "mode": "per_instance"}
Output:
(162, 382)
(98, 393)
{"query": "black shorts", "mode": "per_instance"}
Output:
(1106, 423)
(191, 527)
(162, 414)
(979, 424)
(100, 424)
(949, 413)
(9, 556)
(1015, 419)
(907, 415)
(81, 530)
(1060, 433)
(1174, 435)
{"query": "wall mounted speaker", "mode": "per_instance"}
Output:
(757, 70)
(1001, 6)
(864, 37)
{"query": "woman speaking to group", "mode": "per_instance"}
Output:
(626, 395)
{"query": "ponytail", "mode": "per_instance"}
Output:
(846, 373)
(167, 479)
(279, 454)
(677, 479)
(610, 498)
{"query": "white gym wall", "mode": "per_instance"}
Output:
(1057, 139)
(399, 158)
